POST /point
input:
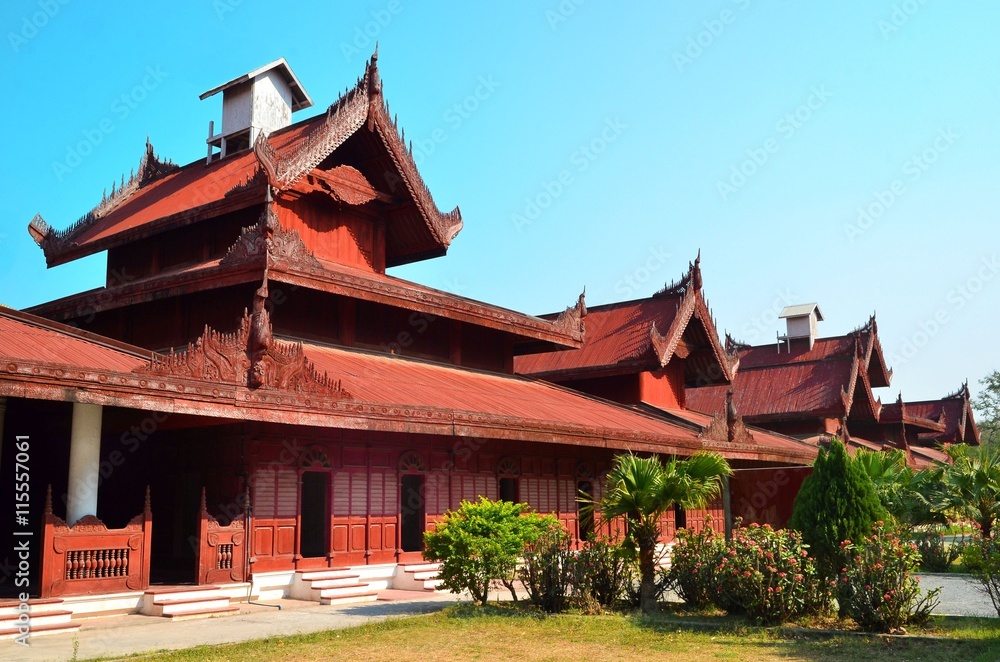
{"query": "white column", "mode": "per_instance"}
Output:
(84, 462)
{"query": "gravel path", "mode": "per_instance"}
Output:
(960, 595)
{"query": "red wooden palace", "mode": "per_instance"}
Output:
(251, 397)
(813, 388)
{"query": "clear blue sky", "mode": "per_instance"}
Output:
(626, 124)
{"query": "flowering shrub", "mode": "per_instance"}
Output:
(604, 572)
(693, 562)
(935, 554)
(880, 593)
(981, 557)
(769, 575)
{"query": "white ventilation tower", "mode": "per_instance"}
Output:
(260, 101)
(800, 323)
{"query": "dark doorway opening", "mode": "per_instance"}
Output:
(584, 508)
(680, 517)
(312, 536)
(508, 489)
(411, 525)
(175, 507)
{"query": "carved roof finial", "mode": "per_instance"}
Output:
(570, 321)
(695, 272)
(146, 509)
(732, 417)
(204, 503)
(48, 499)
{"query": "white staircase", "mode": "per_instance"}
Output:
(44, 617)
(187, 602)
(418, 577)
(333, 587)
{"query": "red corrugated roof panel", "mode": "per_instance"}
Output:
(24, 337)
(798, 388)
(192, 186)
(614, 335)
(395, 380)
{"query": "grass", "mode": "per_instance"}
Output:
(465, 632)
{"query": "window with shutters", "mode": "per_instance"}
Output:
(350, 494)
(263, 493)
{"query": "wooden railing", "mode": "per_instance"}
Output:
(88, 558)
(222, 552)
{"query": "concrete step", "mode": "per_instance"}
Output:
(333, 573)
(189, 605)
(37, 618)
(350, 598)
(422, 567)
(39, 630)
(339, 581)
(184, 602)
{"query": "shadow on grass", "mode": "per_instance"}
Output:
(401, 608)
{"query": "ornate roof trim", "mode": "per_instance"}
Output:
(665, 345)
(360, 106)
(248, 357)
(690, 280)
(150, 169)
(271, 243)
(727, 426)
(570, 321)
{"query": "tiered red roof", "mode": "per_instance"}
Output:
(644, 334)
(309, 158)
(833, 378)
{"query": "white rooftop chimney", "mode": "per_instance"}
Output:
(260, 101)
(801, 322)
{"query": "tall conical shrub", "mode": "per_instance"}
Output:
(837, 502)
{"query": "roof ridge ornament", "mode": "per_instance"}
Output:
(690, 280)
(727, 426)
(149, 170)
(570, 321)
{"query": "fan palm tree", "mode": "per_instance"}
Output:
(642, 489)
(972, 485)
(904, 493)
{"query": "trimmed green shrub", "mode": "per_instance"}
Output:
(481, 542)
(880, 593)
(836, 502)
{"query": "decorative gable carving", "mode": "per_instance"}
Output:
(570, 321)
(728, 426)
(248, 357)
(268, 241)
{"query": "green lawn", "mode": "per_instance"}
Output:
(501, 634)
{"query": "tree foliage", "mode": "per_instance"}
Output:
(641, 489)
(907, 495)
(987, 405)
(971, 486)
(481, 542)
(837, 502)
